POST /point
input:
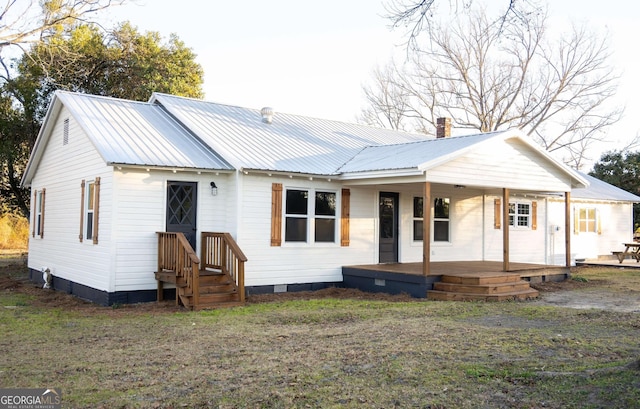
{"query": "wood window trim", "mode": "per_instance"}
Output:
(42, 207)
(344, 217)
(276, 214)
(534, 215)
(82, 188)
(35, 213)
(96, 209)
(496, 214)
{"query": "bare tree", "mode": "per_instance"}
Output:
(488, 76)
(416, 15)
(26, 21)
(388, 102)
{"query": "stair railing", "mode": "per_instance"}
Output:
(220, 251)
(176, 254)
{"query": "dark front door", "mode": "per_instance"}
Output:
(388, 227)
(181, 209)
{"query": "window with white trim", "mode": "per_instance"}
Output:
(441, 219)
(38, 228)
(89, 209)
(520, 214)
(310, 220)
(587, 220)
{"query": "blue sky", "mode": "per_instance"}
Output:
(312, 58)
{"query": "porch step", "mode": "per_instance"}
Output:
(488, 287)
(483, 279)
(452, 296)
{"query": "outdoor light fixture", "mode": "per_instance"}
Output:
(214, 189)
(459, 186)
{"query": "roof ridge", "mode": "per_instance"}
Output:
(343, 122)
(103, 97)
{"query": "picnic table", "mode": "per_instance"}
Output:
(630, 249)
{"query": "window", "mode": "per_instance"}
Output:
(418, 217)
(296, 215)
(38, 225)
(306, 218)
(520, 214)
(89, 205)
(440, 218)
(89, 209)
(587, 222)
(325, 222)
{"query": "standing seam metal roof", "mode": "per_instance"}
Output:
(290, 143)
(138, 133)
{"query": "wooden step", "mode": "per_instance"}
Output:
(166, 276)
(215, 306)
(474, 279)
(208, 278)
(188, 303)
(488, 289)
(454, 296)
(217, 288)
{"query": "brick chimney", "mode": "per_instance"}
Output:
(443, 128)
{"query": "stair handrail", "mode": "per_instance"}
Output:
(176, 254)
(220, 251)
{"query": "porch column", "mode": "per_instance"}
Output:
(426, 229)
(505, 229)
(567, 228)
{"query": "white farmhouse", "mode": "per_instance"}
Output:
(127, 195)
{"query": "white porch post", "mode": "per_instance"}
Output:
(505, 229)
(567, 228)
(426, 229)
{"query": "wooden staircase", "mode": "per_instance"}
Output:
(216, 282)
(215, 290)
(485, 287)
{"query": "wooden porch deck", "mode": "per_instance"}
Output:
(461, 280)
(465, 268)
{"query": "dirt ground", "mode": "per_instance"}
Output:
(570, 293)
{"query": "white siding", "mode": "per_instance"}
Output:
(525, 244)
(60, 172)
(616, 224)
(141, 198)
(301, 262)
(465, 218)
(515, 166)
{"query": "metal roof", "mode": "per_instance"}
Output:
(178, 132)
(138, 133)
(290, 143)
(412, 155)
(600, 190)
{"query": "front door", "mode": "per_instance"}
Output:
(181, 209)
(388, 246)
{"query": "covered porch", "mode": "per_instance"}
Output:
(453, 280)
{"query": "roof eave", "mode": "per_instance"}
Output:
(169, 168)
(41, 141)
(389, 173)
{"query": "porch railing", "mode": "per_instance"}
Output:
(220, 251)
(176, 254)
